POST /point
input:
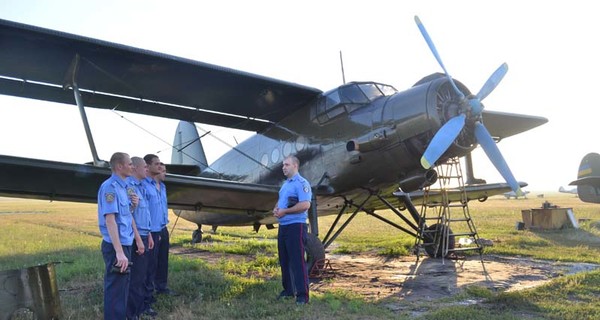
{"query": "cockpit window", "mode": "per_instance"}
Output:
(347, 98)
(371, 90)
(387, 90)
(352, 94)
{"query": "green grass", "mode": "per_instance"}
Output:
(38, 232)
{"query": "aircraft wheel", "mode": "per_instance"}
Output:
(196, 236)
(431, 250)
(314, 251)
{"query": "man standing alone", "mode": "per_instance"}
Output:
(292, 211)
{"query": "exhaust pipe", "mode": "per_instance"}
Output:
(418, 180)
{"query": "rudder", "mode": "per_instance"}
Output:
(187, 147)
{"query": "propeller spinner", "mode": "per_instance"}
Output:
(471, 106)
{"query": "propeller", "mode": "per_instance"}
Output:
(473, 107)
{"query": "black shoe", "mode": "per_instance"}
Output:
(168, 292)
(301, 302)
(284, 295)
(150, 312)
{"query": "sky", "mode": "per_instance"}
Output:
(549, 46)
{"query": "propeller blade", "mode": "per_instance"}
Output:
(442, 140)
(492, 82)
(491, 149)
(436, 55)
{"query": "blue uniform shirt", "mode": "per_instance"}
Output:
(295, 189)
(141, 215)
(157, 204)
(113, 199)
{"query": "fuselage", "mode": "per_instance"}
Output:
(355, 142)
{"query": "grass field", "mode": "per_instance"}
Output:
(38, 232)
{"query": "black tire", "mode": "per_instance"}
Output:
(314, 251)
(438, 251)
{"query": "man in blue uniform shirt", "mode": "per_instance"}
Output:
(136, 303)
(156, 194)
(117, 228)
(292, 211)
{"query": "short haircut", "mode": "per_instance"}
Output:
(294, 160)
(137, 161)
(149, 157)
(116, 158)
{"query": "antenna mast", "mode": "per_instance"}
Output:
(342, 63)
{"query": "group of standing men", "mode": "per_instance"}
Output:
(133, 218)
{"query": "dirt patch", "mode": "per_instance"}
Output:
(375, 277)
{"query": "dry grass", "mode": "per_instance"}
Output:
(37, 232)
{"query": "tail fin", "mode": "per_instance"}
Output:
(588, 178)
(187, 150)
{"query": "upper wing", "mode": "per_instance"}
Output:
(503, 124)
(51, 180)
(38, 63)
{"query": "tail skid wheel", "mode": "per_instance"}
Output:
(197, 236)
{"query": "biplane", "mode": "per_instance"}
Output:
(364, 146)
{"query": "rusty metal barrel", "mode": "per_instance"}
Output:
(33, 289)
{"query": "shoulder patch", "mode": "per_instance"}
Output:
(109, 197)
(305, 188)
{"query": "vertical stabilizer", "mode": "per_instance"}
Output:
(187, 147)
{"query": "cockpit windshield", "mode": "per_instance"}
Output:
(348, 98)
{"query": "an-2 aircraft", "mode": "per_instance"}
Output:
(512, 194)
(364, 146)
(588, 178)
(562, 189)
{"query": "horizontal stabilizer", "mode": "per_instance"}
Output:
(184, 169)
(588, 178)
(587, 181)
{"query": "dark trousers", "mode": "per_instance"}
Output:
(137, 286)
(151, 272)
(116, 285)
(290, 245)
(162, 263)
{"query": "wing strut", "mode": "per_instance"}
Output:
(71, 83)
